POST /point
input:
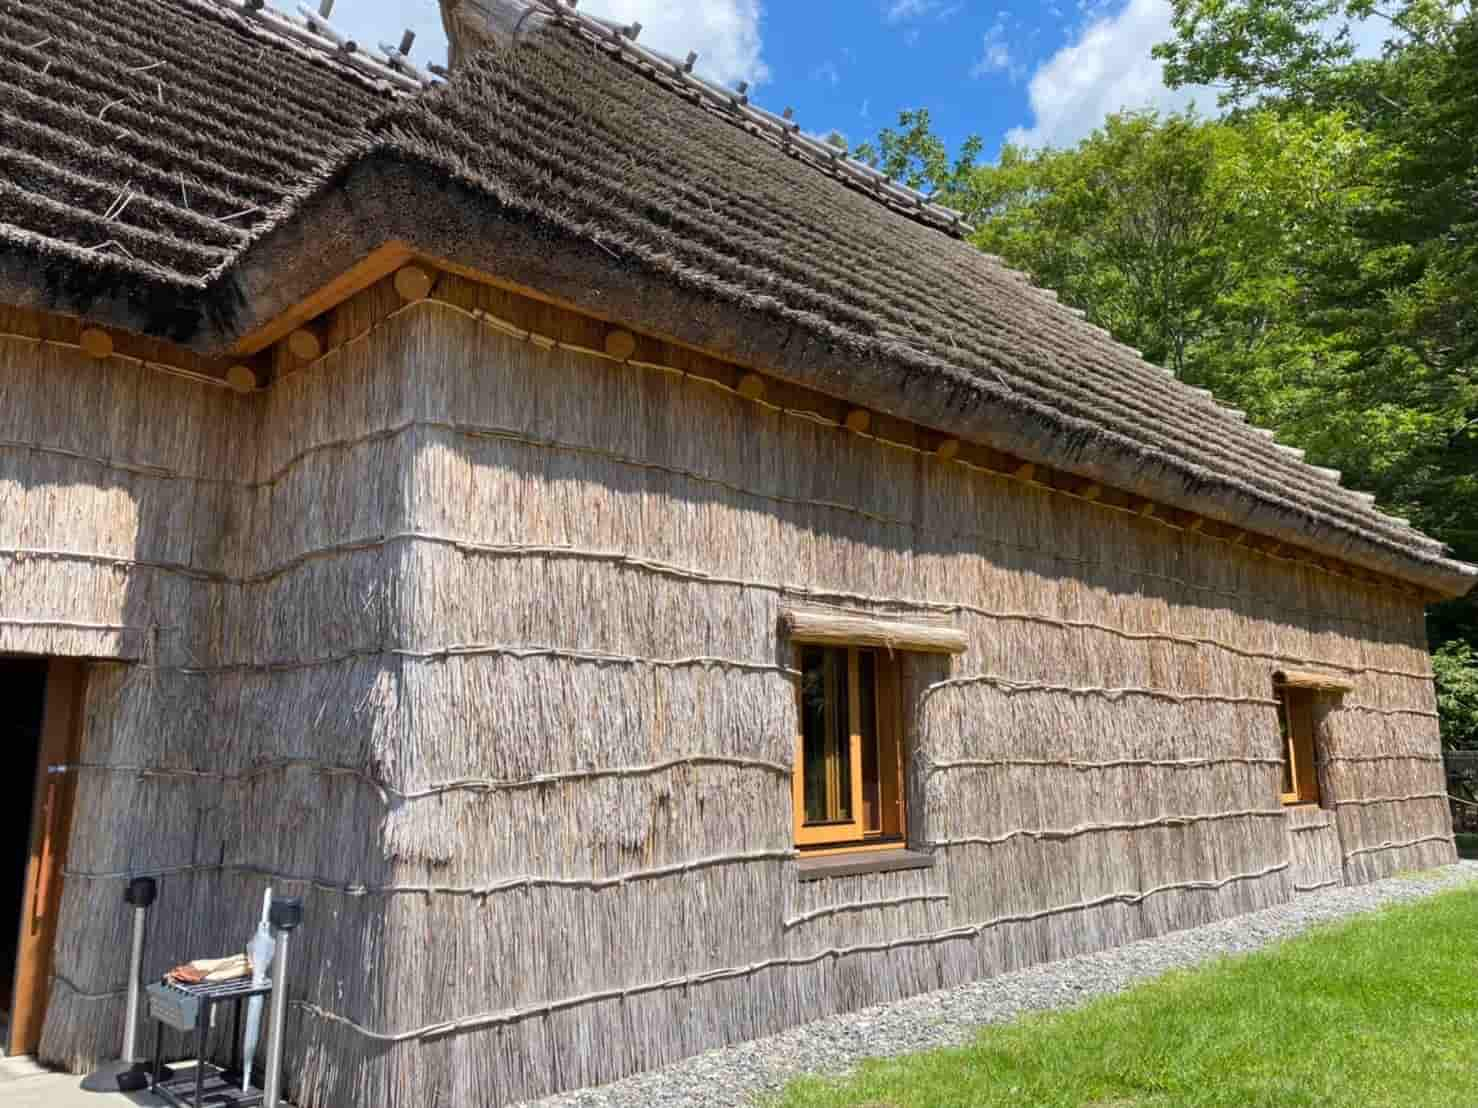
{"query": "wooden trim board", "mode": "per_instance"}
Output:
(361, 275)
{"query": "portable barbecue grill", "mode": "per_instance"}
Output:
(188, 1008)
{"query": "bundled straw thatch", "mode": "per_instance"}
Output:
(477, 643)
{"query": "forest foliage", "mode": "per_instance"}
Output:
(1310, 253)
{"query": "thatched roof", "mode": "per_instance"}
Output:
(573, 167)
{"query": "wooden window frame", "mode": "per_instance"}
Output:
(852, 835)
(1300, 751)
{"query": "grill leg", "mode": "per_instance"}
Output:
(200, 1051)
(236, 1059)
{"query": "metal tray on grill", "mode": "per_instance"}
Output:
(173, 1006)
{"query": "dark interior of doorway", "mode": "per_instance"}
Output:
(22, 697)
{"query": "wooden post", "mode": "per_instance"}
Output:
(305, 344)
(96, 343)
(620, 344)
(242, 378)
(413, 283)
(51, 824)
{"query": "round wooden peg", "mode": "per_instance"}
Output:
(620, 345)
(413, 283)
(947, 449)
(751, 386)
(242, 378)
(305, 345)
(95, 343)
(858, 420)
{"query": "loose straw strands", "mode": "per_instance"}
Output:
(688, 981)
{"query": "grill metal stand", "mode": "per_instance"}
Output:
(286, 914)
(131, 1072)
(188, 1008)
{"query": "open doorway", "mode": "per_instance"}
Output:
(22, 710)
(40, 723)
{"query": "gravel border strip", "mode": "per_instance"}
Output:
(738, 1074)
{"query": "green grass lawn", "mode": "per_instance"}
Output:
(1379, 1011)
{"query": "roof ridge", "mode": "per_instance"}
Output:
(620, 40)
(388, 68)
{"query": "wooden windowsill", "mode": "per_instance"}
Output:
(857, 862)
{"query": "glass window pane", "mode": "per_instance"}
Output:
(840, 800)
(1286, 744)
(867, 726)
(826, 734)
(814, 732)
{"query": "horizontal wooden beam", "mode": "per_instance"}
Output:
(833, 628)
(1306, 679)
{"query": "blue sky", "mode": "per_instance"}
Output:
(1040, 73)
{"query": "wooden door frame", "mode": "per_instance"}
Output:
(51, 826)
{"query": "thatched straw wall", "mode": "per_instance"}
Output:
(510, 615)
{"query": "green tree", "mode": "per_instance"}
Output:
(918, 157)
(1456, 666)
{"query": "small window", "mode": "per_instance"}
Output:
(1296, 722)
(848, 786)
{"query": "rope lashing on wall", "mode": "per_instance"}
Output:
(114, 355)
(1014, 685)
(74, 625)
(1388, 845)
(470, 784)
(1085, 765)
(510, 329)
(1368, 800)
(966, 933)
(1051, 834)
(507, 884)
(858, 906)
(1011, 685)
(475, 650)
(669, 569)
(1317, 885)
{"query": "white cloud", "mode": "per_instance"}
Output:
(725, 33)
(996, 56)
(897, 11)
(1107, 68)
(828, 72)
